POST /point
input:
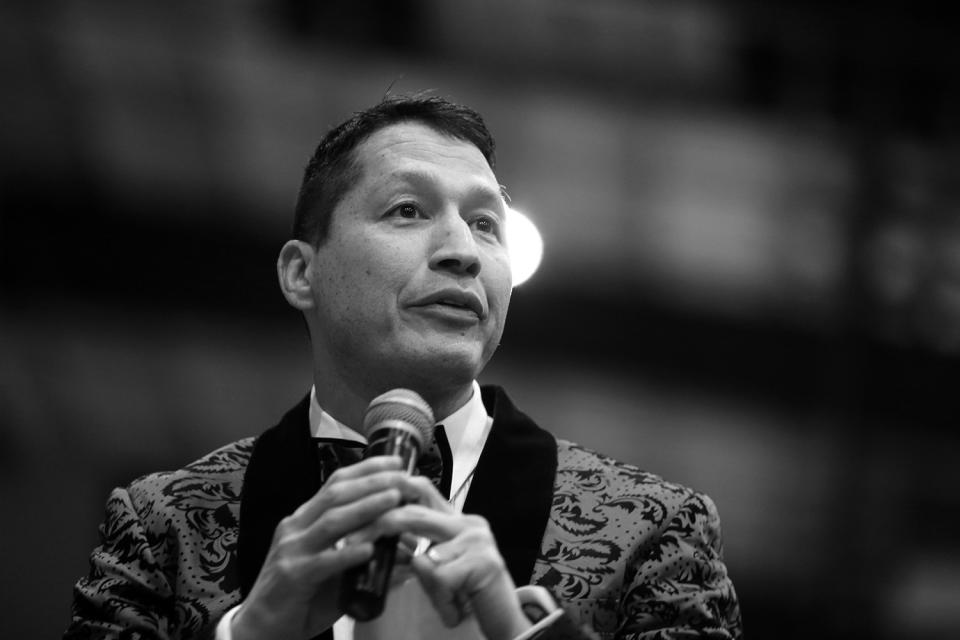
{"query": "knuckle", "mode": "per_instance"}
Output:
(286, 546)
(477, 524)
(493, 557)
(479, 535)
(421, 482)
(285, 529)
(333, 493)
(324, 530)
(287, 567)
(335, 476)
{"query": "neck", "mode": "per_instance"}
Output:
(448, 404)
(347, 405)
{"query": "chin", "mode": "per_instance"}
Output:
(446, 368)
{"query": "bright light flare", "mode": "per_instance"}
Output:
(524, 244)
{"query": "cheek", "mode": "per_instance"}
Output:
(365, 263)
(377, 283)
(499, 283)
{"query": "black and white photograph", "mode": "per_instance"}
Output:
(479, 320)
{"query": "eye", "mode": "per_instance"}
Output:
(407, 211)
(487, 224)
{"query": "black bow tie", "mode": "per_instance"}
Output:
(435, 462)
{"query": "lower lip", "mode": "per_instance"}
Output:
(457, 315)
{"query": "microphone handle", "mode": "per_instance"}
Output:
(363, 589)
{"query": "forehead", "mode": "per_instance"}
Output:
(412, 146)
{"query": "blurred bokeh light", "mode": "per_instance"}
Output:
(525, 245)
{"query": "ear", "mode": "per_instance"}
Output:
(294, 270)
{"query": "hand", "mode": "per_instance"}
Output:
(295, 594)
(466, 574)
(463, 572)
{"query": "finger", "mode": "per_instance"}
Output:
(410, 519)
(424, 522)
(474, 539)
(299, 574)
(452, 576)
(345, 490)
(340, 521)
(409, 542)
(442, 597)
(448, 585)
(406, 547)
(351, 487)
(349, 511)
(441, 554)
(430, 516)
(470, 573)
(466, 564)
(366, 467)
(480, 580)
(380, 514)
(419, 490)
(427, 494)
(335, 561)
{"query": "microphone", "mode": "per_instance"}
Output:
(397, 422)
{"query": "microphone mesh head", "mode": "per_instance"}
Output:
(401, 405)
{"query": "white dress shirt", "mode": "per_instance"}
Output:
(467, 429)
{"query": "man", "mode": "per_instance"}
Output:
(400, 268)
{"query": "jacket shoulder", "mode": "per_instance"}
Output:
(596, 495)
(591, 471)
(200, 500)
(620, 538)
(214, 478)
(166, 558)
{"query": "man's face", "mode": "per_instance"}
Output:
(412, 284)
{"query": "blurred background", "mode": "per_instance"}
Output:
(750, 285)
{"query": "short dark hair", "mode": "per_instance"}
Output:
(332, 169)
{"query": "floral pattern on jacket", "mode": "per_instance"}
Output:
(627, 554)
(633, 556)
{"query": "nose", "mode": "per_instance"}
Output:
(455, 248)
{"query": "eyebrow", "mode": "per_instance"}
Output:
(419, 177)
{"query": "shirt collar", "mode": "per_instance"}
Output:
(324, 425)
(466, 428)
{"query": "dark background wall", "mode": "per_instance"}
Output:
(751, 280)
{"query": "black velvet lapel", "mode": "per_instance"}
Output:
(513, 484)
(283, 473)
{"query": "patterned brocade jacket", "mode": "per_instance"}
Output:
(626, 554)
